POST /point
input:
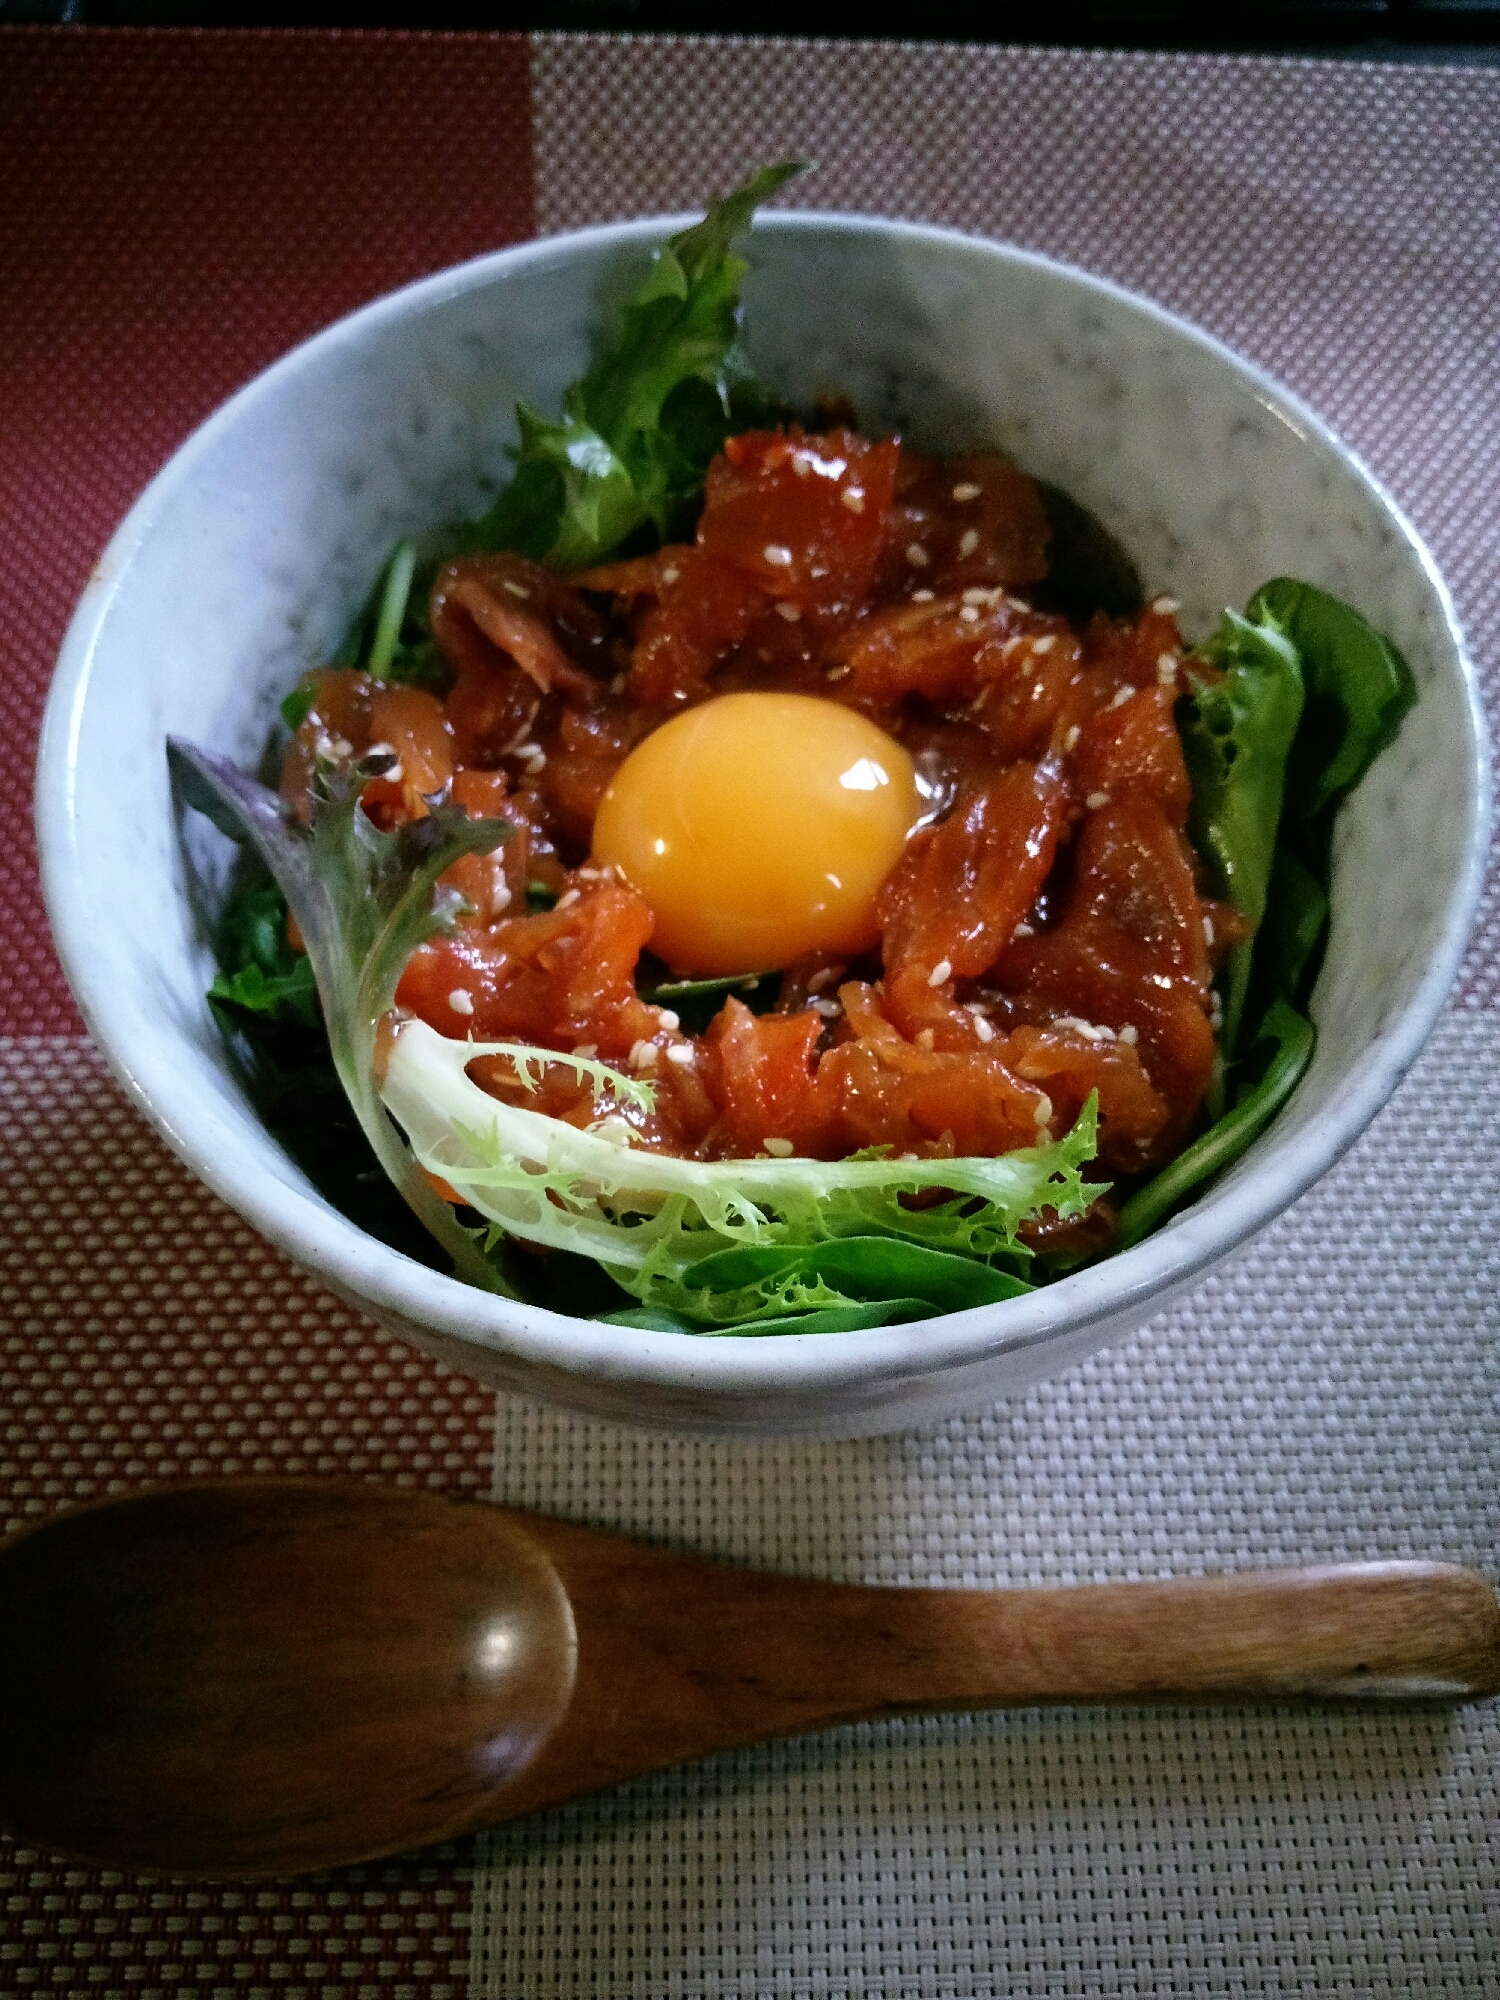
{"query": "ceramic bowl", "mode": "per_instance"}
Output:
(243, 561)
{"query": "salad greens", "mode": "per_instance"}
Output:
(732, 1243)
(1305, 696)
(1297, 697)
(639, 431)
(363, 901)
(802, 1236)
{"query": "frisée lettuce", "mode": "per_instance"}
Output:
(735, 1245)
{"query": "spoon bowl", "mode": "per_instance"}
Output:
(256, 1677)
(277, 1674)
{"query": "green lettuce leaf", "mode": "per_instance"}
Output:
(363, 901)
(637, 433)
(1236, 736)
(1289, 1037)
(1358, 689)
(259, 973)
(1311, 695)
(800, 1236)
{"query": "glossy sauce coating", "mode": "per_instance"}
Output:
(1042, 934)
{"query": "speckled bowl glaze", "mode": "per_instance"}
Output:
(244, 560)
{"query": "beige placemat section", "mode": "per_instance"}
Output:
(1333, 1394)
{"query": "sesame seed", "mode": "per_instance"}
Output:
(917, 556)
(1070, 741)
(1023, 930)
(778, 555)
(829, 1009)
(587, 1050)
(1044, 644)
(566, 902)
(818, 569)
(670, 576)
(941, 972)
(1166, 668)
(617, 685)
(1129, 1035)
(779, 1149)
(966, 490)
(983, 1028)
(801, 464)
(461, 1001)
(921, 597)
(682, 1052)
(1010, 645)
(789, 612)
(1121, 696)
(970, 614)
(643, 1055)
(853, 498)
(925, 1040)
(838, 673)
(977, 594)
(515, 589)
(1095, 800)
(1089, 1031)
(968, 542)
(1043, 1110)
(589, 874)
(1165, 605)
(820, 979)
(395, 775)
(1208, 930)
(499, 897)
(669, 1020)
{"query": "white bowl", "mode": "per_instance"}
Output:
(244, 559)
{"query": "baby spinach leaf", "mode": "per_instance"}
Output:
(1358, 689)
(1291, 1037)
(830, 1319)
(1236, 735)
(761, 1281)
(1290, 944)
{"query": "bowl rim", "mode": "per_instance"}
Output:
(725, 1365)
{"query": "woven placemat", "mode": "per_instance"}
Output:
(184, 206)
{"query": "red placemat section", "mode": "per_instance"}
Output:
(147, 1335)
(179, 208)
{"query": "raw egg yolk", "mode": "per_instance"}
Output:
(759, 827)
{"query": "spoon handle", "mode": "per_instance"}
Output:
(678, 1658)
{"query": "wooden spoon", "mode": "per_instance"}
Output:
(257, 1677)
